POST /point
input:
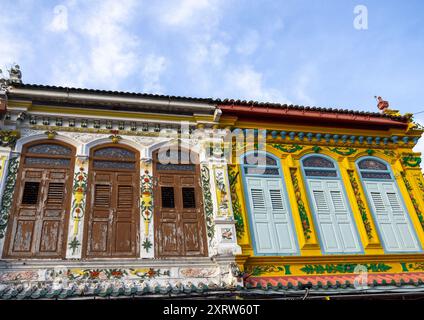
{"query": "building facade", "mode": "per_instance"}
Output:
(112, 193)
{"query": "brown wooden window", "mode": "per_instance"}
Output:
(30, 194)
(102, 195)
(189, 200)
(125, 196)
(114, 158)
(167, 194)
(55, 193)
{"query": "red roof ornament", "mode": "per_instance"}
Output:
(382, 104)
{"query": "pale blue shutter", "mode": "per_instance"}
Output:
(335, 222)
(272, 225)
(395, 228)
(279, 214)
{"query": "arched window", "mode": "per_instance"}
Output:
(111, 224)
(269, 214)
(393, 223)
(331, 209)
(178, 210)
(42, 201)
(113, 157)
(48, 154)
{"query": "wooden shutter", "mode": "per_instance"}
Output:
(191, 217)
(123, 219)
(395, 228)
(26, 213)
(53, 211)
(168, 235)
(335, 221)
(272, 225)
(99, 226)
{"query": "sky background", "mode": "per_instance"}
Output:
(304, 52)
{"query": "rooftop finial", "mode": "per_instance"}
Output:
(15, 74)
(382, 104)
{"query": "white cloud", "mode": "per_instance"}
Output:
(14, 48)
(154, 66)
(248, 43)
(246, 83)
(186, 12)
(100, 49)
(302, 79)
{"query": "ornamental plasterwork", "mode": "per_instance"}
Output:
(83, 137)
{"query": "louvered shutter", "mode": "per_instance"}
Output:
(272, 225)
(99, 234)
(395, 228)
(333, 217)
(260, 217)
(123, 220)
(330, 240)
(280, 218)
(343, 218)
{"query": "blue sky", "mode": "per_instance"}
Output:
(294, 51)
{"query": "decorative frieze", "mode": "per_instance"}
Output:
(238, 216)
(207, 202)
(413, 200)
(7, 198)
(78, 205)
(361, 204)
(306, 227)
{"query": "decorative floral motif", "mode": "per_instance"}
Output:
(149, 273)
(414, 201)
(370, 152)
(74, 244)
(7, 199)
(361, 205)
(300, 205)
(147, 244)
(222, 193)
(50, 134)
(316, 149)
(262, 269)
(421, 186)
(411, 161)
(287, 147)
(343, 268)
(238, 217)
(389, 153)
(227, 234)
(343, 151)
(146, 201)
(207, 200)
(416, 266)
(108, 274)
(8, 138)
(78, 204)
(115, 137)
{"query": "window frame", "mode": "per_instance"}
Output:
(247, 201)
(25, 154)
(370, 206)
(312, 207)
